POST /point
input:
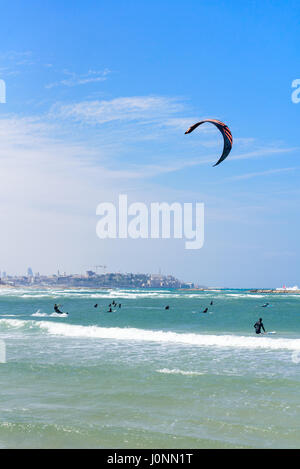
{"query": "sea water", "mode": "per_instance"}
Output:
(146, 377)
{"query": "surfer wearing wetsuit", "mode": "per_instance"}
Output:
(258, 326)
(205, 311)
(57, 310)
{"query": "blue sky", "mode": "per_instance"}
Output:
(99, 95)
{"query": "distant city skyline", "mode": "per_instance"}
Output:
(38, 278)
(93, 280)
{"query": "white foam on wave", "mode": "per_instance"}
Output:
(40, 314)
(176, 371)
(142, 335)
(94, 295)
(58, 315)
(243, 295)
(106, 294)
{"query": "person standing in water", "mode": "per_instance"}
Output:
(258, 326)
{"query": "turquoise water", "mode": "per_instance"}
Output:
(146, 377)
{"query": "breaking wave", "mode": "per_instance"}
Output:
(142, 335)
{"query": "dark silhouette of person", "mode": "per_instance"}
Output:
(258, 326)
(57, 310)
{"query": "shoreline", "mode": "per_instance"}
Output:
(268, 291)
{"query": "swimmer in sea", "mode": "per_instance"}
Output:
(258, 326)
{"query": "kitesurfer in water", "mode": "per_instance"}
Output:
(265, 305)
(258, 326)
(57, 310)
(205, 311)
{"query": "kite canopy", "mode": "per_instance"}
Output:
(224, 131)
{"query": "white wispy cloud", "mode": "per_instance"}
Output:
(75, 79)
(263, 173)
(181, 123)
(132, 108)
(16, 56)
(180, 164)
(12, 62)
(265, 151)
